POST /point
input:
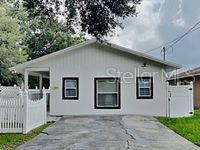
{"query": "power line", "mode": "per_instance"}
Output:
(188, 32)
(176, 40)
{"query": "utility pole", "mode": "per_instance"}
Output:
(164, 53)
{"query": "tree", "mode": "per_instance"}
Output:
(48, 35)
(95, 17)
(43, 35)
(21, 35)
(12, 49)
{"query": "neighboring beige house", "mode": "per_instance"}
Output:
(185, 78)
(88, 79)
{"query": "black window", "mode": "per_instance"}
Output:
(144, 88)
(70, 88)
(107, 93)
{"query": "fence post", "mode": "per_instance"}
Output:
(191, 109)
(22, 86)
(45, 104)
(167, 83)
(168, 99)
(25, 111)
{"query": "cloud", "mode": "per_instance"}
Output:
(141, 28)
(178, 19)
(160, 21)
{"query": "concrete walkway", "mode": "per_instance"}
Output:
(108, 133)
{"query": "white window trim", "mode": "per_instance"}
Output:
(70, 96)
(145, 88)
(65, 88)
(148, 86)
(97, 93)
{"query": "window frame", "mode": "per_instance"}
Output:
(64, 91)
(118, 93)
(138, 88)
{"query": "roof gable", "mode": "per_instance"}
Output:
(117, 47)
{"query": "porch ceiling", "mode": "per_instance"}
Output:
(45, 74)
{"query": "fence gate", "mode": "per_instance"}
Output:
(11, 110)
(180, 100)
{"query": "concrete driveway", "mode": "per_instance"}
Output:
(108, 133)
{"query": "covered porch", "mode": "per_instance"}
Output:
(37, 82)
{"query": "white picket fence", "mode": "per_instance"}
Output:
(36, 93)
(180, 101)
(19, 112)
(11, 110)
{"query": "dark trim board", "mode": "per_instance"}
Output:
(137, 88)
(119, 93)
(63, 88)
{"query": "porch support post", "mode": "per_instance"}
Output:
(40, 85)
(26, 79)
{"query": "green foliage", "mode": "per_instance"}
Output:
(12, 49)
(48, 35)
(43, 35)
(22, 37)
(19, 12)
(95, 17)
(188, 127)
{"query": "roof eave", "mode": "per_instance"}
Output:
(143, 55)
(19, 68)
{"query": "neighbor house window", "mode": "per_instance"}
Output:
(107, 93)
(70, 88)
(144, 87)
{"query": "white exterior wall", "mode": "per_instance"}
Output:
(93, 61)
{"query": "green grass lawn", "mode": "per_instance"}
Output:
(189, 127)
(11, 141)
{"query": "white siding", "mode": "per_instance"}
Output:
(92, 61)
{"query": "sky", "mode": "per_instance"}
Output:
(160, 21)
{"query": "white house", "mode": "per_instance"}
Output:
(95, 78)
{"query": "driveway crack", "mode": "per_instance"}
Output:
(126, 132)
(128, 144)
